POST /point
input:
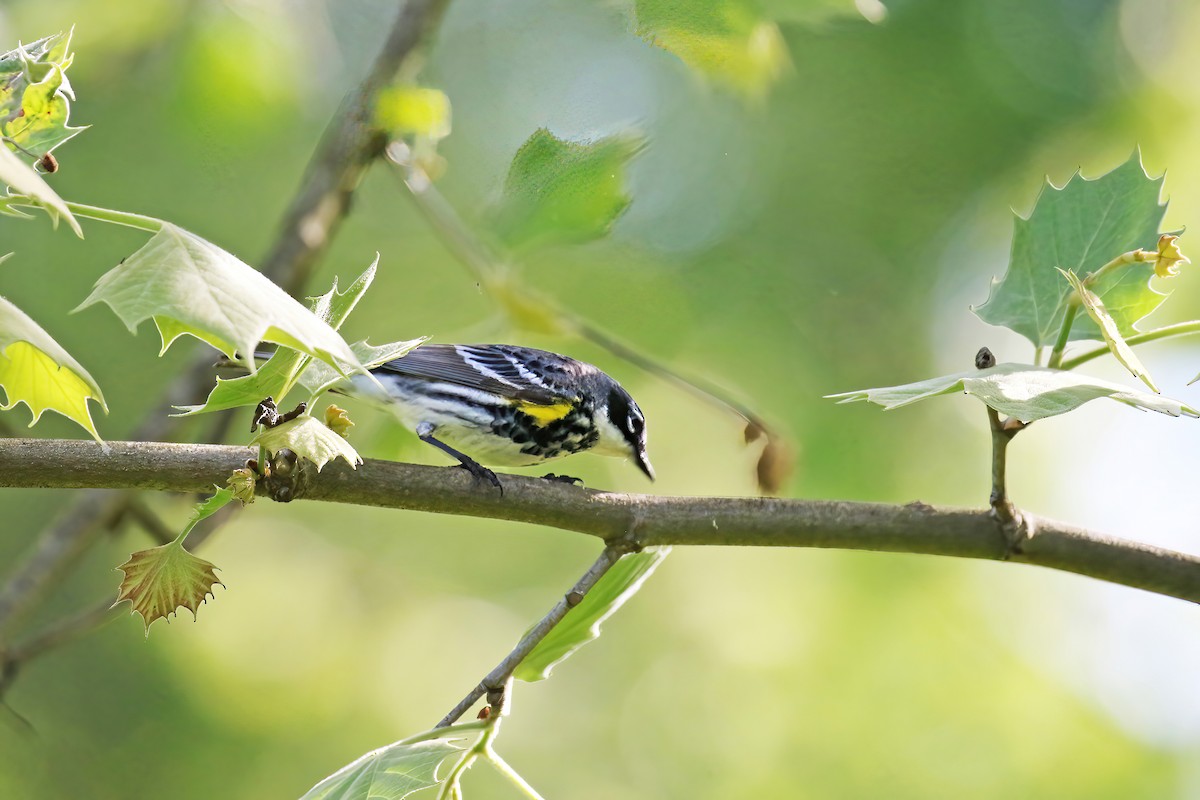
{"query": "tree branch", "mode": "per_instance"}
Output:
(746, 521)
(350, 145)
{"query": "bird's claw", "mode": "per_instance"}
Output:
(480, 472)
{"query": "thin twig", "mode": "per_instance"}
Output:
(492, 268)
(62, 631)
(57, 548)
(502, 674)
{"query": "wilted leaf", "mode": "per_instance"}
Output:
(338, 421)
(728, 41)
(309, 439)
(188, 285)
(582, 623)
(774, 465)
(241, 483)
(1022, 391)
(1080, 227)
(160, 580)
(1169, 257)
(35, 95)
(1112, 337)
(37, 371)
(560, 191)
(389, 773)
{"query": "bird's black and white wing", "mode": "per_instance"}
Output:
(521, 373)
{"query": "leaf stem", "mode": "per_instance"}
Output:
(1056, 355)
(504, 769)
(1131, 257)
(139, 221)
(1167, 331)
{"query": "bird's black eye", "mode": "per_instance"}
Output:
(635, 424)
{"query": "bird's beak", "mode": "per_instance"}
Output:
(643, 462)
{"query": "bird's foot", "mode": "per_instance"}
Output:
(480, 472)
(550, 476)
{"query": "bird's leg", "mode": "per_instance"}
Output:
(425, 434)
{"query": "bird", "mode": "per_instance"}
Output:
(506, 405)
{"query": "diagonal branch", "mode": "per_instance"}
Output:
(350, 145)
(745, 521)
(496, 680)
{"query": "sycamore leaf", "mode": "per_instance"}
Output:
(416, 110)
(22, 180)
(11, 61)
(160, 580)
(37, 111)
(1108, 328)
(564, 192)
(309, 439)
(190, 286)
(727, 41)
(249, 390)
(389, 773)
(1080, 227)
(37, 371)
(1022, 391)
(275, 376)
(317, 377)
(582, 623)
(35, 95)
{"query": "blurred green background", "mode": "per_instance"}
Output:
(825, 233)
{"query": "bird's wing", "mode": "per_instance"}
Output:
(490, 368)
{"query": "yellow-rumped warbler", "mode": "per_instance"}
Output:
(507, 406)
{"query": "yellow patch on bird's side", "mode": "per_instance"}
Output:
(544, 415)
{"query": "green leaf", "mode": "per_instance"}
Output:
(1081, 227)
(564, 192)
(317, 377)
(582, 623)
(389, 773)
(1022, 391)
(308, 438)
(416, 110)
(190, 286)
(276, 376)
(727, 41)
(11, 61)
(1108, 328)
(37, 371)
(35, 95)
(22, 180)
